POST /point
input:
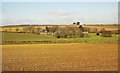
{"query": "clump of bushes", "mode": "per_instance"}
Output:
(69, 32)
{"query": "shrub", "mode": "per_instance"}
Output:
(97, 33)
(17, 29)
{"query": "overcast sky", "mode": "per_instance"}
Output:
(59, 12)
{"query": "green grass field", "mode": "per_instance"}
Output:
(23, 38)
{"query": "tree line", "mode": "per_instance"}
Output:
(59, 32)
(67, 31)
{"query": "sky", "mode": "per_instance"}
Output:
(60, 0)
(17, 13)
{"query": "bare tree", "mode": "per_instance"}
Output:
(53, 29)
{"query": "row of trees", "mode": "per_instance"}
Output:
(64, 32)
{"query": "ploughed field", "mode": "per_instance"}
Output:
(60, 57)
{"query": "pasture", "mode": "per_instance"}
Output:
(60, 57)
(30, 38)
